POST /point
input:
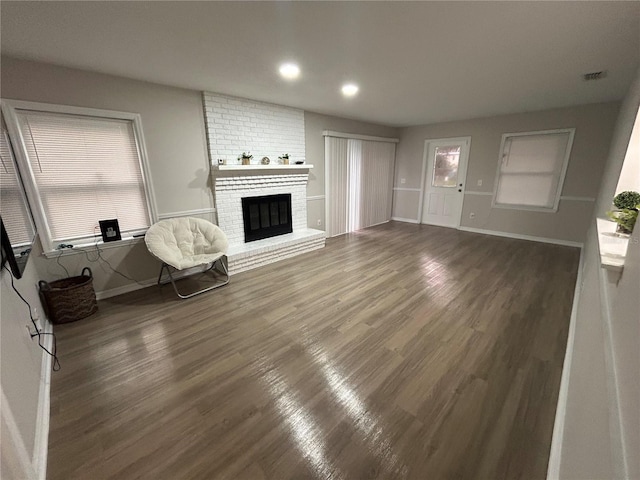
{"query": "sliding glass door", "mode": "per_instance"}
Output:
(359, 175)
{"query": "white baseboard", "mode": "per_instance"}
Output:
(113, 292)
(132, 287)
(555, 241)
(41, 442)
(555, 454)
(406, 220)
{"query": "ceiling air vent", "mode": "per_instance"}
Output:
(594, 75)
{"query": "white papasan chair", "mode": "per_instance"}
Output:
(182, 243)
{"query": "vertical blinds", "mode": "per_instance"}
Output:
(86, 169)
(16, 218)
(335, 152)
(359, 182)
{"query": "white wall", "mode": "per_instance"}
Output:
(630, 173)
(601, 414)
(237, 125)
(21, 359)
(594, 127)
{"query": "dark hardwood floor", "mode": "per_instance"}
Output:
(401, 351)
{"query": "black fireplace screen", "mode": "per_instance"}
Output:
(266, 216)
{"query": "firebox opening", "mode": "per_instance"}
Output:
(266, 216)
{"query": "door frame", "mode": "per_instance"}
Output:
(425, 162)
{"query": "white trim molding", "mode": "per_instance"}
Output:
(41, 442)
(186, 213)
(331, 133)
(478, 193)
(131, 287)
(406, 220)
(316, 197)
(253, 166)
(89, 247)
(555, 455)
(576, 199)
(405, 189)
(517, 236)
(616, 424)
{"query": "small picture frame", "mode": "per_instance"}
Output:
(221, 161)
(110, 230)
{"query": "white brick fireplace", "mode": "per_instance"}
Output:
(236, 125)
(232, 183)
(232, 186)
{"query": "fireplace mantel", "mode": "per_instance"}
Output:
(262, 168)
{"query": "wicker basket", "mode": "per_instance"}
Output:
(69, 299)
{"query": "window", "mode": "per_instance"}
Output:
(83, 166)
(531, 169)
(13, 207)
(445, 171)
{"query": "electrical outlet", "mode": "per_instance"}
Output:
(403, 180)
(32, 331)
(472, 215)
(480, 182)
(319, 222)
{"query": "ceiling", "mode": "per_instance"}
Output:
(415, 62)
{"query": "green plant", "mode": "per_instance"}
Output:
(628, 199)
(284, 155)
(628, 204)
(246, 155)
(625, 218)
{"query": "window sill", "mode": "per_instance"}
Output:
(526, 208)
(612, 246)
(89, 247)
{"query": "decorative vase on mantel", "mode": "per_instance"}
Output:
(284, 159)
(246, 158)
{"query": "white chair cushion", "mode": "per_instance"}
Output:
(186, 242)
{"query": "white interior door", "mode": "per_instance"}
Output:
(445, 167)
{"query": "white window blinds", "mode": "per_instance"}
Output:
(16, 218)
(531, 169)
(85, 169)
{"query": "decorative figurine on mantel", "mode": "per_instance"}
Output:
(246, 158)
(284, 159)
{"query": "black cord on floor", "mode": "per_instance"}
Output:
(56, 363)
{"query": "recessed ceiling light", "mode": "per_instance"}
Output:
(290, 71)
(350, 89)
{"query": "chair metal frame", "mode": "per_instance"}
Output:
(225, 271)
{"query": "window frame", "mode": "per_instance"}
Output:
(9, 110)
(563, 171)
